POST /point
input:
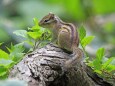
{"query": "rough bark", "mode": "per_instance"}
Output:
(44, 67)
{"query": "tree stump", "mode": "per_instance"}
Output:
(44, 67)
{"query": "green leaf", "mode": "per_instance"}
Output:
(3, 71)
(113, 62)
(85, 41)
(30, 42)
(36, 27)
(97, 64)
(98, 71)
(34, 35)
(4, 76)
(22, 33)
(5, 62)
(90, 63)
(104, 59)
(18, 48)
(82, 32)
(35, 20)
(100, 53)
(16, 56)
(110, 68)
(8, 49)
(3, 54)
(107, 63)
(17, 52)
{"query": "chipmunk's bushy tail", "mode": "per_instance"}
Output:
(76, 58)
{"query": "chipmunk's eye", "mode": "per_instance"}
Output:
(46, 20)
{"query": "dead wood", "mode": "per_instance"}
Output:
(44, 67)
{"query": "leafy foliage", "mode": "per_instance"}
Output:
(82, 32)
(22, 33)
(103, 66)
(34, 34)
(84, 40)
(16, 52)
(3, 54)
(8, 60)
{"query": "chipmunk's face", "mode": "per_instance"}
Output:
(48, 21)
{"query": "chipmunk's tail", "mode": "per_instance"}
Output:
(76, 58)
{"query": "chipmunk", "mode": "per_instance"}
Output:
(66, 36)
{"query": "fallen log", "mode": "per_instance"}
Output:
(44, 67)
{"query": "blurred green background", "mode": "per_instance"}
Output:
(97, 16)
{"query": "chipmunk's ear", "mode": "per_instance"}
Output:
(50, 13)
